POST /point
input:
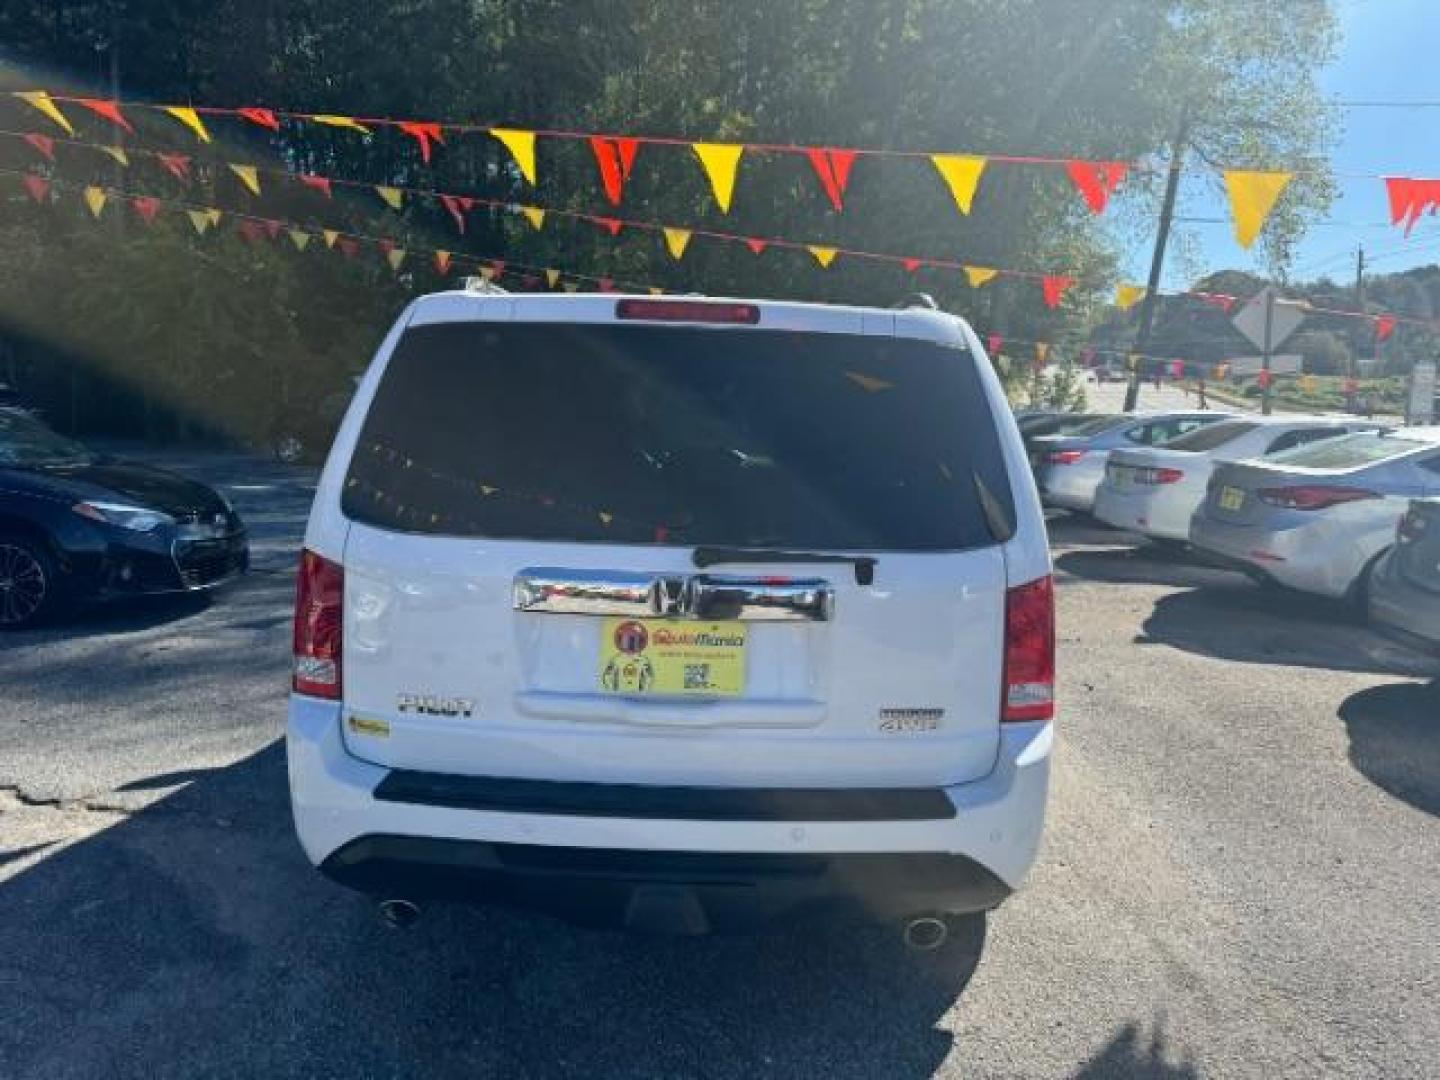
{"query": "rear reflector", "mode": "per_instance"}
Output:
(1312, 496)
(701, 311)
(319, 617)
(1063, 457)
(1029, 686)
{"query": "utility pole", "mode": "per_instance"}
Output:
(1360, 307)
(1157, 259)
(1265, 378)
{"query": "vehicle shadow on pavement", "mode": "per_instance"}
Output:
(193, 939)
(1131, 1054)
(1145, 564)
(1395, 740)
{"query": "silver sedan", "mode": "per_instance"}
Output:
(1404, 591)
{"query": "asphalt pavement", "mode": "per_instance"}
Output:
(1239, 876)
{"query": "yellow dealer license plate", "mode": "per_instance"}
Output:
(1232, 498)
(673, 657)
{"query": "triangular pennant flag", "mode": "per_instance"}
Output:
(250, 230)
(1126, 295)
(249, 176)
(656, 290)
(214, 216)
(979, 275)
(332, 120)
(521, 145)
(607, 284)
(487, 273)
(1252, 197)
(423, 133)
(833, 168)
(329, 236)
(459, 206)
(823, 255)
(757, 246)
(316, 183)
(1042, 353)
(1409, 198)
(191, 119)
(95, 199)
(349, 246)
(677, 240)
(1053, 287)
(300, 238)
(395, 256)
(615, 158)
(1097, 180)
(392, 197)
(177, 165)
(1384, 327)
(43, 144)
(272, 228)
(534, 215)
(110, 110)
(609, 224)
(994, 343)
(147, 207)
(42, 101)
(720, 160)
(37, 186)
(263, 117)
(911, 265)
(200, 219)
(962, 175)
(116, 152)
(442, 262)
(497, 267)
(552, 277)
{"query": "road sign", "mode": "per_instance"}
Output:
(1284, 364)
(1421, 408)
(1285, 318)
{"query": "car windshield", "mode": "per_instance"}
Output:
(1212, 437)
(26, 442)
(1349, 451)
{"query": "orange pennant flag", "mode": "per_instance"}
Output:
(720, 160)
(521, 145)
(95, 199)
(1096, 180)
(823, 255)
(423, 132)
(615, 158)
(1252, 196)
(331, 120)
(534, 215)
(110, 110)
(442, 262)
(962, 175)
(833, 169)
(249, 176)
(41, 100)
(392, 197)
(1053, 287)
(191, 119)
(979, 275)
(677, 240)
(1127, 296)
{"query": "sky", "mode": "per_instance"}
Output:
(1387, 52)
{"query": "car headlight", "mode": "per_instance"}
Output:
(135, 518)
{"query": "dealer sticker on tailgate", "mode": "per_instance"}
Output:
(672, 656)
(1232, 498)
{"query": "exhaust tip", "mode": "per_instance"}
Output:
(398, 914)
(926, 933)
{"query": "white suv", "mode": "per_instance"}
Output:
(675, 613)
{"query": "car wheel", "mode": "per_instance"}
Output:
(27, 583)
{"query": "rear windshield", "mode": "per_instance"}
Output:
(1348, 451)
(1212, 436)
(1095, 425)
(681, 436)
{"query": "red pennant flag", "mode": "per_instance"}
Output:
(44, 144)
(1054, 286)
(911, 265)
(422, 133)
(833, 168)
(757, 246)
(264, 117)
(497, 267)
(178, 165)
(272, 228)
(1177, 369)
(316, 183)
(110, 110)
(609, 224)
(146, 207)
(348, 246)
(615, 157)
(1384, 327)
(1097, 180)
(1410, 198)
(459, 206)
(1265, 379)
(994, 343)
(250, 230)
(607, 284)
(38, 187)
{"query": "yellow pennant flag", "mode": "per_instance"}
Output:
(331, 120)
(214, 216)
(395, 256)
(979, 275)
(200, 219)
(1252, 197)
(249, 176)
(676, 240)
(1042, 351)
(534, 215)
(720, 161)
(552, 277)
(521, 145)
(42, 101)
(1127, 296)
(962, 175)
(300, 238)
(393, 196)
(329, 236)
(1308, 383)
(191, 119)
(823, 255)
(656, 290)
(118, 153)
(95, 200)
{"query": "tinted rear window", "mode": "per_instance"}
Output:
(1213, 436)
(680, 436)
(1348, 451)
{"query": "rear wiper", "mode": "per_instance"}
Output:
(713, 556)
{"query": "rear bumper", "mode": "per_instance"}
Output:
(1151, 511)
(1072, 487)
(967, 860)
(1304, 558)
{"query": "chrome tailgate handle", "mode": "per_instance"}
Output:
(679, 596)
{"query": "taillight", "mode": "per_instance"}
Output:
(1029, 686)
(319, 617)
(706, 311)
(1160, 476)
(1063, 457)
(1312, 496)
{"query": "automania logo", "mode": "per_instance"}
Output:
(698, 638)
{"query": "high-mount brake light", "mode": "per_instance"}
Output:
(701, 311)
